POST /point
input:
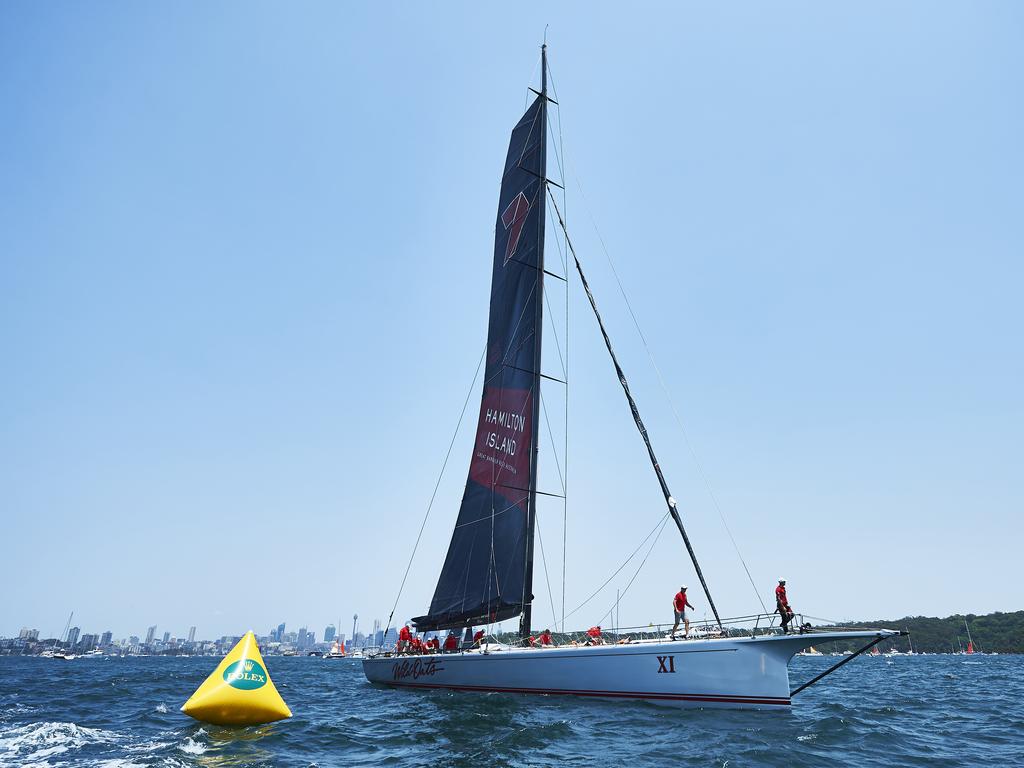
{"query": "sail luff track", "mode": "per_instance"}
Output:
(531, 515)
(669, 500)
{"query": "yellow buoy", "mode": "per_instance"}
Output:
(239, 692)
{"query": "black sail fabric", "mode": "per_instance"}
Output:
(484, 573)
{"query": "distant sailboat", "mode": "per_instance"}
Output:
(487, 575)
(53, 652)
(337, 651)
(970, 642)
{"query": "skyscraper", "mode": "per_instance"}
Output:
(280, 632)
(73, 635)
(167, 637)
(149, 634)
(106, 638)
(329, 633)
(191, 634)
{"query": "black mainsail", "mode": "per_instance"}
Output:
(488, 572)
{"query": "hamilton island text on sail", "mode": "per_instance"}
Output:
(500, 434)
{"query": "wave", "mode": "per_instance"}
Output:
(37, 741)
(192, 747)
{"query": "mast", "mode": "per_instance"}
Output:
(66, 628)
(531, 521)
(669, 500)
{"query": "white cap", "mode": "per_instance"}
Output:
(684, 587)
(782, 579)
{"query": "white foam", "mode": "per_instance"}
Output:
(192, 747)
(161, 708)
(38, 741)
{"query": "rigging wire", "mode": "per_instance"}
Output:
(546, 577)
(660, 523)
(559, 153)
(554, 333)
(669, 501)
(554, 453)
(636, 572)
(436, 486)
(668, 396)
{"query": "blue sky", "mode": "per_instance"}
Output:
(244, 264)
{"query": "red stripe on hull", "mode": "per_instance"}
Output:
(721, 699)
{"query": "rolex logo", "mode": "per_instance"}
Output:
(245, 674)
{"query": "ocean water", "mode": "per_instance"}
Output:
(929, 711)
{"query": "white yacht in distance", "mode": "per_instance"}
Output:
(487, 575)
(53, 652)
(337, 651)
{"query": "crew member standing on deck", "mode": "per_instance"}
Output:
(404, 636)
(679, 605)
(782, 605)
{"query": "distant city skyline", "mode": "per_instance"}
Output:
(30, 640)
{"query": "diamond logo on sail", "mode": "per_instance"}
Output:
(513, 218)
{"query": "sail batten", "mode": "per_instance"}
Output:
(487, 572)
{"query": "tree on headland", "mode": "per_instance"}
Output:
(993, 632)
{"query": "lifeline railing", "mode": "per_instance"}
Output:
(737, 626)
(753, 625)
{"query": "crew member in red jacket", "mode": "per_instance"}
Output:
(545, 638)
(679, 606)
(478, 638)
(404, 638)
(782, 605)
(451, 643)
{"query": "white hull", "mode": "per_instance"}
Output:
(732, 673)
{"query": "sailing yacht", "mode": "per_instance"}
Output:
(53, 652)
(337, 651)
(487, 575)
